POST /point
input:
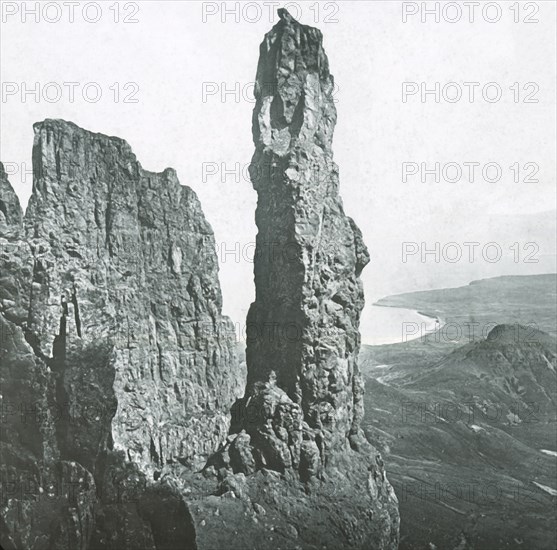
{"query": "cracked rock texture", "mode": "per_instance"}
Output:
(125, 280)
(309, 255)
(300, 416)
(118, 371)
(10, 210)
(115, 356)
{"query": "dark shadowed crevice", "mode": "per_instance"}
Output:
(58, 166)
(153, 452)
(58, 365)
(76, 312)
(170, 519)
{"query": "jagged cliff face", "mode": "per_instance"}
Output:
(113, 339)
(124, 262)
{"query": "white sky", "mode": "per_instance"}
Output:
(170, 52)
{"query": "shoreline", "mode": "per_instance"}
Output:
(431, 315)
(429, 323)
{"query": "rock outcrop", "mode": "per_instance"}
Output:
(303, 338)
(119, 377)
(113, 336)
(10, 210)
(300, 416)
(125, 279)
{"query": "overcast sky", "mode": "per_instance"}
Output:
(176, 50)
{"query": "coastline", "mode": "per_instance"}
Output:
(410, 324)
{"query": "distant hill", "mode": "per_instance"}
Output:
(470, 439)
(468, 314)
(512, 373)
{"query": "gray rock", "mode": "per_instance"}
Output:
(113, 344)
(10, 209)
(112, 336)
(126, 300)
(304, 394)
(303, 327)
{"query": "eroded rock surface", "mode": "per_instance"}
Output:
(113, 341)
(124, 258)
(304, 323)
(118, 369)
(10, 210)
(300, 417)
(125, 279)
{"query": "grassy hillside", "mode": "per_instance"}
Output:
(468, 444)
(468, 428)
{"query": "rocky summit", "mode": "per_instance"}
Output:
(128, 421)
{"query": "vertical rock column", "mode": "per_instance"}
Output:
(304, 392)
